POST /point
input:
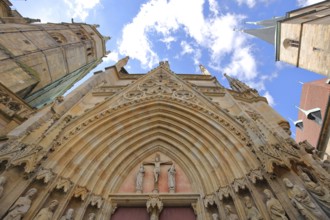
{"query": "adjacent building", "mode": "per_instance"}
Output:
(313, 122)
(301, 38)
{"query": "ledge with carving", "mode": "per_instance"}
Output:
(211, 90)
(11, 106)
(247, 96)
(106, 90)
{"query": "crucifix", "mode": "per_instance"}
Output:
(157, 163)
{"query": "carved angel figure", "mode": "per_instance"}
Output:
(301, 200)
(3, 180)
(47, 213)
(318, 192)
(91, 216)
(68, 215)
(251, 211)
(229, 213)
(274, 207)
(21, 206)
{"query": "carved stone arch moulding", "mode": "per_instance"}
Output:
(241, 135)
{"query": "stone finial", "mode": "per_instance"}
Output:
(121, 63)
(204, 70)
(106, 38)
(238, 85)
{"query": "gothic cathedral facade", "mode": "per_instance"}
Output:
(162, 146)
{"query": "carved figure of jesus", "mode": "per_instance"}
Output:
(157, 163)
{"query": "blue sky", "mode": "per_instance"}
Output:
(188, 33)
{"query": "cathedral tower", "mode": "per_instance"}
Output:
(40, 62)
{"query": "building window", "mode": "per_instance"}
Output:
(26, 41)
(58, 37)
(299, 124)
(290, 43)
(313, 114)
(89, 51)
(81, 35)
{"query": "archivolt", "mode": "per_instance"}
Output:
(100, 155)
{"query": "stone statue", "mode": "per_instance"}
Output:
(318, 192)
(301, 200)
(47, 213)
(326, 164)
(171, 179)
(68, 215)
(215, 216)
(91, 216)
(251, 211)
(157, 164)
(139, 180)
(21, 206)
(229, 213)
(274, 207)
(3, 180)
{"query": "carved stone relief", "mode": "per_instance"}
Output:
(154, 207)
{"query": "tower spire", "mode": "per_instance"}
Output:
(268, 30)
(237, 85)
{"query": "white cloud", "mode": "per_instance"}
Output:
(269, 98)
(111, 57)
(186, 48)
(213, 33)
(249, 3)
(303, 3)
(242, 65)
(80, 8)
(214, 7)
(168, 40)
